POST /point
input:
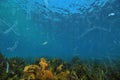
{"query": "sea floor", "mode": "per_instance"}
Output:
(43, 68)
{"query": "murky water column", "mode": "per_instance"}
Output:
(51, 28)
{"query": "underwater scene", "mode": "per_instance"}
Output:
(59, 39)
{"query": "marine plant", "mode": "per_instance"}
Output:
(11, 68)
(38, 72)
(16, 68)
(3, 73)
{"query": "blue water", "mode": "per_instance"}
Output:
(60, 28)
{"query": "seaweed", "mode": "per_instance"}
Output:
(11, 68)
(3, 67)
(17, 68)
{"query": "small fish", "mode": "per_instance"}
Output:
(44, 43)
(111, 14)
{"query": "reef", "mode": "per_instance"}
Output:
(57, 69)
